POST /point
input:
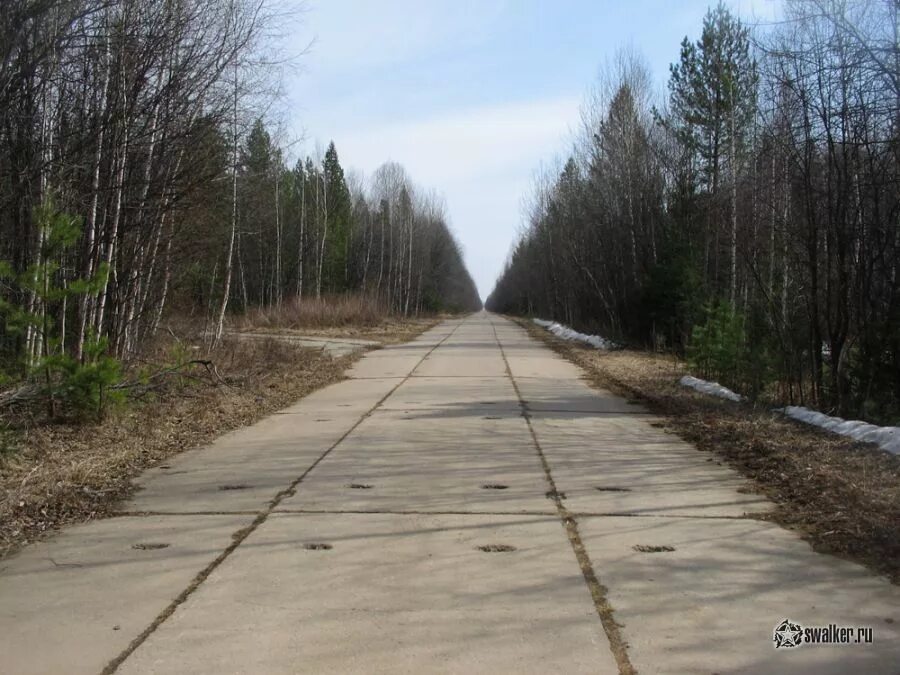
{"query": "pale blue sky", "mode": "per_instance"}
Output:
(471, 96)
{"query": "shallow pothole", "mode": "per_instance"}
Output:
(494, 486)
(609, 488)
(496, 548)
(234, 486)
(642, 548)
(359, 486)
(492, 417)
(317, 547)
(149, 546)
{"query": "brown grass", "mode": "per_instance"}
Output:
(66, 473)
(841, 496)
(353, 316)
(327, 312)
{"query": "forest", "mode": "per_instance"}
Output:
(748, 217)
(139, 176)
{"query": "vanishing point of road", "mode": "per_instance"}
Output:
(463, 503)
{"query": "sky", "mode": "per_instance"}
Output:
(472, 97)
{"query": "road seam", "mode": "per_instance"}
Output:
(241, 535)
(598, 591)
(407, 512)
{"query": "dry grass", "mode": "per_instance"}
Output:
(842, 496)
(67, 473)
(355, 316)
(352, 310)
(390, 331)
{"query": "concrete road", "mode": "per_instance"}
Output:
(463, 504)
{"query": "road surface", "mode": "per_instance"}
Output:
(463, 503)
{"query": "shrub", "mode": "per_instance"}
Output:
(83, 389)
(716, 346)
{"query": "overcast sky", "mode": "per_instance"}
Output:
(471, 96)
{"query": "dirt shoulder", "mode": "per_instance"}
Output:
(57, 474)
(843, 497)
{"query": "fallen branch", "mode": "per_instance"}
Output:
(210, 367)
(28, 392)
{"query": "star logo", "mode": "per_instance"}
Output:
(788, 634)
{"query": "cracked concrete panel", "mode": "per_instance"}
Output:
(712, 604)
(72, 604)
(429, 460)
(393, 594)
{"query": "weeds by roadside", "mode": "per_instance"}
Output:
(345, 316)
(326, 312)
(842, 496)
(65, 472)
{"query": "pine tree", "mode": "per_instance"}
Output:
(340, 209)
(713, 100)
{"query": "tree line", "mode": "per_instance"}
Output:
(751, 218)
(137, 175)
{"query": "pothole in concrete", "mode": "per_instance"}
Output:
(642, 548)
(609, 488)
(235, 486)
(317, 547)
(555, 494)
(494, 486)
(149, 546)
(164, 466)
(359, 486)
(496, 548)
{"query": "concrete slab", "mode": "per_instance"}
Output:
(345, 396)
(621, 464)
(384, 363)
(456, 359)
(711, 605)
(72, 604)
(241, 471)
(468, 395)
(426, 461)
(395, 594)
(566, 395)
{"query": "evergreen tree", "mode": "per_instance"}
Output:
(340, 210)
(712, 91)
